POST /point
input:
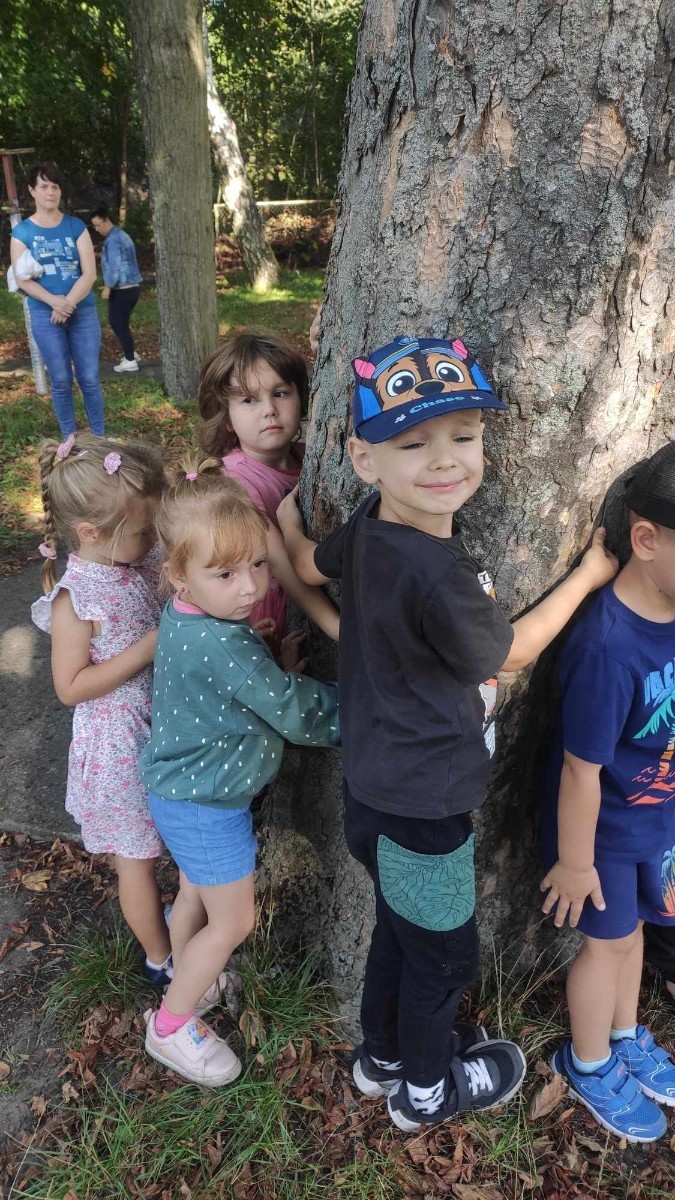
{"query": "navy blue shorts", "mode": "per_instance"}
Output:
(632, 892)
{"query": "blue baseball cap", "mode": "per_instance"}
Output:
(413, 379)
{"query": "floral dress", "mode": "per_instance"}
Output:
(105, 793)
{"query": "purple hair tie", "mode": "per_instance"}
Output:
(46, 551)
(192, 475)
(112, 462)
(65, 448)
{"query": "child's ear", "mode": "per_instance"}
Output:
(643, 537)
(175, 578)
(86, 533)
(361, 454)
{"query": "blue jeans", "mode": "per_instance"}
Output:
(78, 343)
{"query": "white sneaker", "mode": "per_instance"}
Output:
(212, 996)
(127, 364)
(194, 1051)
(138, 358)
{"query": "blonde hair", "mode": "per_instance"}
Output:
(200, 498)
(76, 486)
(238, 356)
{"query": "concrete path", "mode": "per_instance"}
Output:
(34, 725)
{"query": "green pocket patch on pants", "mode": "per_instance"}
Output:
(434, 891)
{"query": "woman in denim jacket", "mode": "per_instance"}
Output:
(121, 277)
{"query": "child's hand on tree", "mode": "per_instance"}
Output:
(289, 652)
(569, 888)
(598, 563)
(288, 513)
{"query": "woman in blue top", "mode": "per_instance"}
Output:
(62, 306)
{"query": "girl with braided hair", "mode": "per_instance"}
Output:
(99, 496)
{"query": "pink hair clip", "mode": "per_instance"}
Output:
(65, 448)
(112, 462)
(46, 551)
(192, 475)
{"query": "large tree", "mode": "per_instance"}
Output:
(169, 58)
(507, 177)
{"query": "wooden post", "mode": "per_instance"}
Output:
(14, 218)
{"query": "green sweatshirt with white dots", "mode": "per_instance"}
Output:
(221, 709)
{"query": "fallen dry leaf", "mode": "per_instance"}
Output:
(68, 1092)
(4, 1070)
(548, 1098)
(470, 1191)
(38, 1106)
(32, 945)
(36, 881)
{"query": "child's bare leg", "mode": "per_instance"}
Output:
(188, 916)
(230, 911)
(141, 904)
(592, 992)
(628, 989)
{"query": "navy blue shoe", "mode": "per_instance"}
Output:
(613, 1096)
(157, 976)
(372, 1080)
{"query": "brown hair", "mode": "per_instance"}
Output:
(48, 170)
(77, 487)
(201, 497)
(238, 356)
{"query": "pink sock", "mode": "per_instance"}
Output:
(167, 1022)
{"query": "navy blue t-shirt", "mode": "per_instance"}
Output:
(617, 676)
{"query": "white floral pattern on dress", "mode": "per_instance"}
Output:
(105, 793)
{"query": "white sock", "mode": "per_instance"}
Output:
(429, 1099)
(387, 1066)
(630, 1033)
(163, 966)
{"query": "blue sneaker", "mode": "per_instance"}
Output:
(613, 1096)
(157, 976)
(650, 1066)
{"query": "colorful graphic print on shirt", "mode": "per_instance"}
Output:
(657, 783)
(488, 690)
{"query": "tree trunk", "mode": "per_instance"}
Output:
(235, 186)
(507, 178)
(169, 62)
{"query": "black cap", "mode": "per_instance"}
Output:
(651, 492)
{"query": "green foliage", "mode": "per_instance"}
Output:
(103, 969)
(68, 86)
(283, 68)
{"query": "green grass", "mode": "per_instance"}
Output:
(103, 969)
(285, 308)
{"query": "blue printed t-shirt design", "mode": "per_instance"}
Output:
(221, 708)
(56, 250)
(420, 633)
(617, 675)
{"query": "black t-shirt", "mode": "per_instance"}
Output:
(419, 634)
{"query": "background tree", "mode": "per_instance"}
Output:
(170, 69)
(234, 185)
(507, 177)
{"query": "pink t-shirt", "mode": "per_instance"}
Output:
(267, 487)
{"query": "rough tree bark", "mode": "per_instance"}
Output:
(234, 185)
(169, 60)
(507, 177)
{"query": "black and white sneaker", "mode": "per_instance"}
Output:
(374, 1081)
(484, 1077)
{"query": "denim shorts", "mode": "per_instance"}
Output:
(211, 845)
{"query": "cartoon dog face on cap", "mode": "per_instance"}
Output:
(414, 369)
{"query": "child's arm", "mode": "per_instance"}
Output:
(311, 600)
(574, 877)
(534, 631)
(299, 548)
(75, 678)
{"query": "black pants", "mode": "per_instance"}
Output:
(121, 304)
(660, 949)
(416, 971)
